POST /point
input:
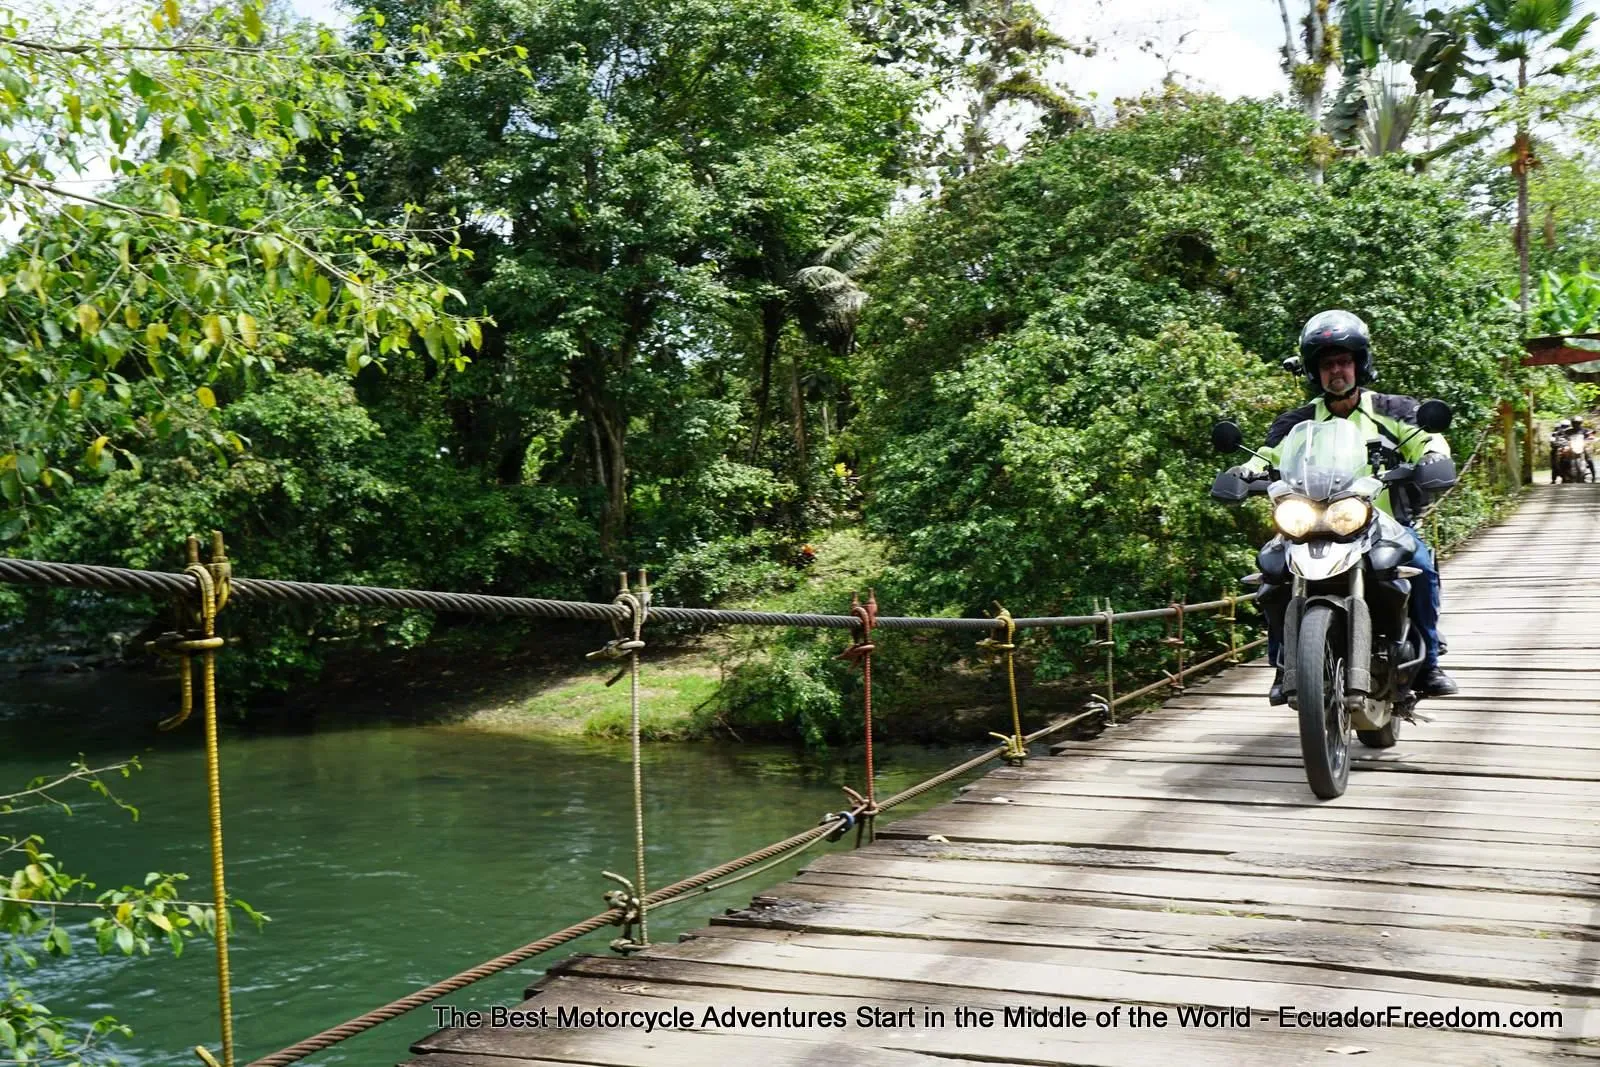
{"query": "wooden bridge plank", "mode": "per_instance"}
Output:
(1271, 751)
(1206, 728)
(1294, 896)
(975, 823)
(1292, 778)
(1559, 965)
(1321, 870)
(663, 1048)
(1505, 810)
(1412, 822)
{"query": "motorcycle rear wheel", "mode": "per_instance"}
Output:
(1324, 723)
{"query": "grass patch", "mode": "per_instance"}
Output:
(672, 694)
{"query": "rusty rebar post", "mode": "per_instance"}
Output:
(1174, 640)
(1109, 643)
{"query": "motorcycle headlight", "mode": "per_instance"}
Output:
(1295, 517)
(1345, 517)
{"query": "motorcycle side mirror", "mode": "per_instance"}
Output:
(1226, 437)
(1292, 365)
(1434, 416)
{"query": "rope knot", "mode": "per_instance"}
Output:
(860, 815)
(623, 644)
(993, 646)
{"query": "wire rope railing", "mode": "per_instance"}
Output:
(202, 590)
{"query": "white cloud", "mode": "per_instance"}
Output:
(1230, 47)
(330, 12)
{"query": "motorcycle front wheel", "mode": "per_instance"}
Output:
(1324, 723)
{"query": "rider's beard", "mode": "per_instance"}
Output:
(1340, 387)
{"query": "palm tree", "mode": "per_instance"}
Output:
(1545, 35)
(827, 302)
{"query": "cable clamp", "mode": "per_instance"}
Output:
(626, 900)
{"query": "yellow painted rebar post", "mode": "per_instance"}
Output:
(214, 582)
(630, 900)
(1233, 629)
(1016, 752)
(1175, 642)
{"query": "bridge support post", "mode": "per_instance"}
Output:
(1508, 434)
(1527, 441)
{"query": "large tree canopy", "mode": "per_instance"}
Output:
(1051, 341)
(640, 190)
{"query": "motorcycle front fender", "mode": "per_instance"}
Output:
(1318, 560)
(1291, 637)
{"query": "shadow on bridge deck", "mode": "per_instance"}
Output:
(1180, 861)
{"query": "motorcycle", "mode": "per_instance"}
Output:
(1350, 651)
(1572, 457)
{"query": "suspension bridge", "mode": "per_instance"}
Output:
(1168, 888)
(1171, 890)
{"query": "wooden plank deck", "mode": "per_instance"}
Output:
(1181, 860)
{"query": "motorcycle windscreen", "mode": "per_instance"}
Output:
(1319, 459)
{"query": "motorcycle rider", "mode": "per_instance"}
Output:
(1558, 433)
(1336, 356)
(1563, 431)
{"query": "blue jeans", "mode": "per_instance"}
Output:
(1424, 605)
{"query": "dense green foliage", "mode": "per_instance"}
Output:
(1044, 381)
(219, 237)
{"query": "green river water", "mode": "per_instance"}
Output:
(388, 857)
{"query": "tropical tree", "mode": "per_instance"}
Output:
(1542, 41)
(640, 193)
(983, 65)
(1050, 342)
(1401, 72)
(165, 218)
(1306, 57)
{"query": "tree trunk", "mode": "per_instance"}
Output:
(1527, 441)
(773, 314)
(797, 401)
(1522, 160)
(608, 427)
(1308, 71)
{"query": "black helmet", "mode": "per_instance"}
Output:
(1336, 329)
